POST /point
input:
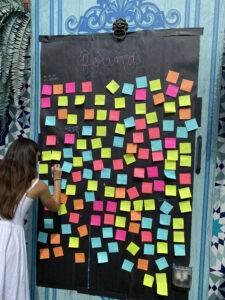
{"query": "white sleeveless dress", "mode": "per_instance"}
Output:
(14, 281)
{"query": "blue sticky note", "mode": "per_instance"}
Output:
(102, 257)
(156, 145)
(67, 167)
(165, 219)
(45, 181)
(141, 82)
(107, 232)
(118, 141)
(87, 155)
(121, 178)
(162, 234)
(113, 247)
(191, 124)
(63, 184)
(42, 237)
(149, 249)
(129, 122)
(87, 130)
(168, 125)
(171, 174)
(166, 207)
(51, 189)
(89, 196)
(66, 228)
(50, 121)
(128, 88)
(146, 223)
(179, 249)
(96, 242)
(48, 224)
(182, 132)
(161, 263)
(87, 173)
(67, 152)
(106, 173)
(127, 265)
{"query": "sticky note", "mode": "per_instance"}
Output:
(87, 155)
(78, 204)
(140, 124)
(182, 132)
(157, 156)
(46, 155)
(81, 144)
(101, 114)
(113, 247)
(87, 130)
(51, 140)
(172, 76)
(119, 103)
(184, 100)
(68, 152)
(79, 257)
(92, 185)
(185, 193)
(152, 172)
(172, 155)
(79, 99)
(98, 165)
(87, 87)
(155, 85)
(162, 234)
(166, 207)
(142, 264)
(120, 193)
(111, 206)
(133, 192)
(42, 237)
(185, 206)
(170, 143)
(135, 215)
(191, 124)
(96, 143)
(156, 145)
(179, 249)
(122, 178)
(141, 82)
(69, 138)
(168, 125)
(67, 167)
(125, 205)
(185, 113)
(109, 191)
(129, 122)
(158, 98)
(131, 148)
(140, 108)
(139, 172)
(99, 99)
(107, 232)
(98, 205)
(73, 242)
(43, 169)
(120, 221)
(161, 283)
(146, 236)
(178, 223)
(62, 114)
(89, 196)
(186, 85)
(106, 153)
(57, 89)
(46, 89)
(138, 137)
(114, 115)
(143, 153)
(70, 189)
(178, 236)
(164, 220)
(169, 107)
(185, 160)
(146, 187)
(149, 249)
(127, 265)
(101, 130)
(96, 242)
(170, 164)
(44, 253)
(172, 90)
(148, 280)
(162, 248)
(113, 86)
(146, 223)
(185, 178)
(62, 210)
(45, 102)
(63, 101)
(128, 88)
(63, 198)
(77, 161)
(159, 185)
(63, 184)
(129, 158)
(74, 218)
(151, 118)
(102, 257)
(66, 228)
(140, 94)
(185, 148)
(118, 141)
(154, 133)
(55, 238)
(120, 129)
(106, 173)
(161, 263)
(134, 227)
(89, 114)
(120, 235)
(171, 190)
(70, 87)
(138, 205)
(95, 220)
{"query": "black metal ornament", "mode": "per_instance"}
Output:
(120, 28)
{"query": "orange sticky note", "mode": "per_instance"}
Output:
(78, 204)
(58, 251)
(142, 264)
(158, 98)
(79, 257)
(62, 114)
(172, 76)
(131, 148)
(120, 193)
(63, 198)
(186, 85)
(134, 227)
(83, 231)
(185, 113)
(55, 238)
(89, 114)
(44, 253)
(57, 89)
(135, 215)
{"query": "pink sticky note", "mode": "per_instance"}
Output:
(87, 87)
(46, 89)
(98, 165)
(185, 178)
(70, 87)
(77, 176)
(46, 209)
(111, 206)
(170, 143)
(138, 137)
(157, 156)
(154, 133)
(120, 235)
(139, 172)
(133, 192)
(159, 185)
(117, 164)
(146, 187)
(146, 236)
(51, 140)
(69, 138)
(98, 205)
(140, 124)
(172, 90)
(109, 219)
(140, 94)
(152, 172)
(143, 153)
(74, 218)
(95, 220)
(45, 102)
(114, 115)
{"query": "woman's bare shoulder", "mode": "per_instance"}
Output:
(37, 190)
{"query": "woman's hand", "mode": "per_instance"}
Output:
(57, 172)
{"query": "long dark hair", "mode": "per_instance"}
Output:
(17, 170)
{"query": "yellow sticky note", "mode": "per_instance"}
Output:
(46, 155)
(169, 107)
(151, 117)
(71, 119)
(109, 191)
(120, 221)
(171, 190)
(92, 185)
(120, 129)
(74, 242)
(101, 114)
(129, 158)
(81, 144)
(185, 160)
(185, 148)
(138, 205)
(185, 206)
(185, 193)
(78, 161)
(148, 280)
(125, 205)
(184, 100)
(99, 99)
(71, 189)
(106, 153)
(172, 154)
(161, 283)
(149, 204)
(56, 155)
(178, 237)
(101, 130)
(133, 248)
(155, 85)
(96, 143)
(113, 86)
(62, 210)
(120, 102)
(140, 108)
(178, 223)
(43, 169)
(63, 101)
(79, 99)
(162, 248)
(170, 164)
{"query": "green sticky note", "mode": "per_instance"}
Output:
(79, 99)
(101, 114)
(185, 100)
(129, 158)
(155, 85)
(140, 108)
(151, 117)
(172, 155)
(113, 86)
(162, 248)
(178, 236)
(74, 242)
(71, 119)
(120, 221)
(185, 148)
(43, 169)
(133, 248)
(71, 189)
(120, 129)
(149, 204)
(185, 206)
(92, 185)
(185, 160)
(62, 210)
(148, 280)
(78, 161)
(109, 191)
(125, 205)
(178, 223)
(99, 99)
(81, 144)
(170, 190)
(63, 101)
(161, 283)
(138, 205)
(170, 164)
(56, 155)
(169, 107)
(46, 155)
(101, 130)
(185, 193)
(106, 153)
(96, 143)
(120, 102)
